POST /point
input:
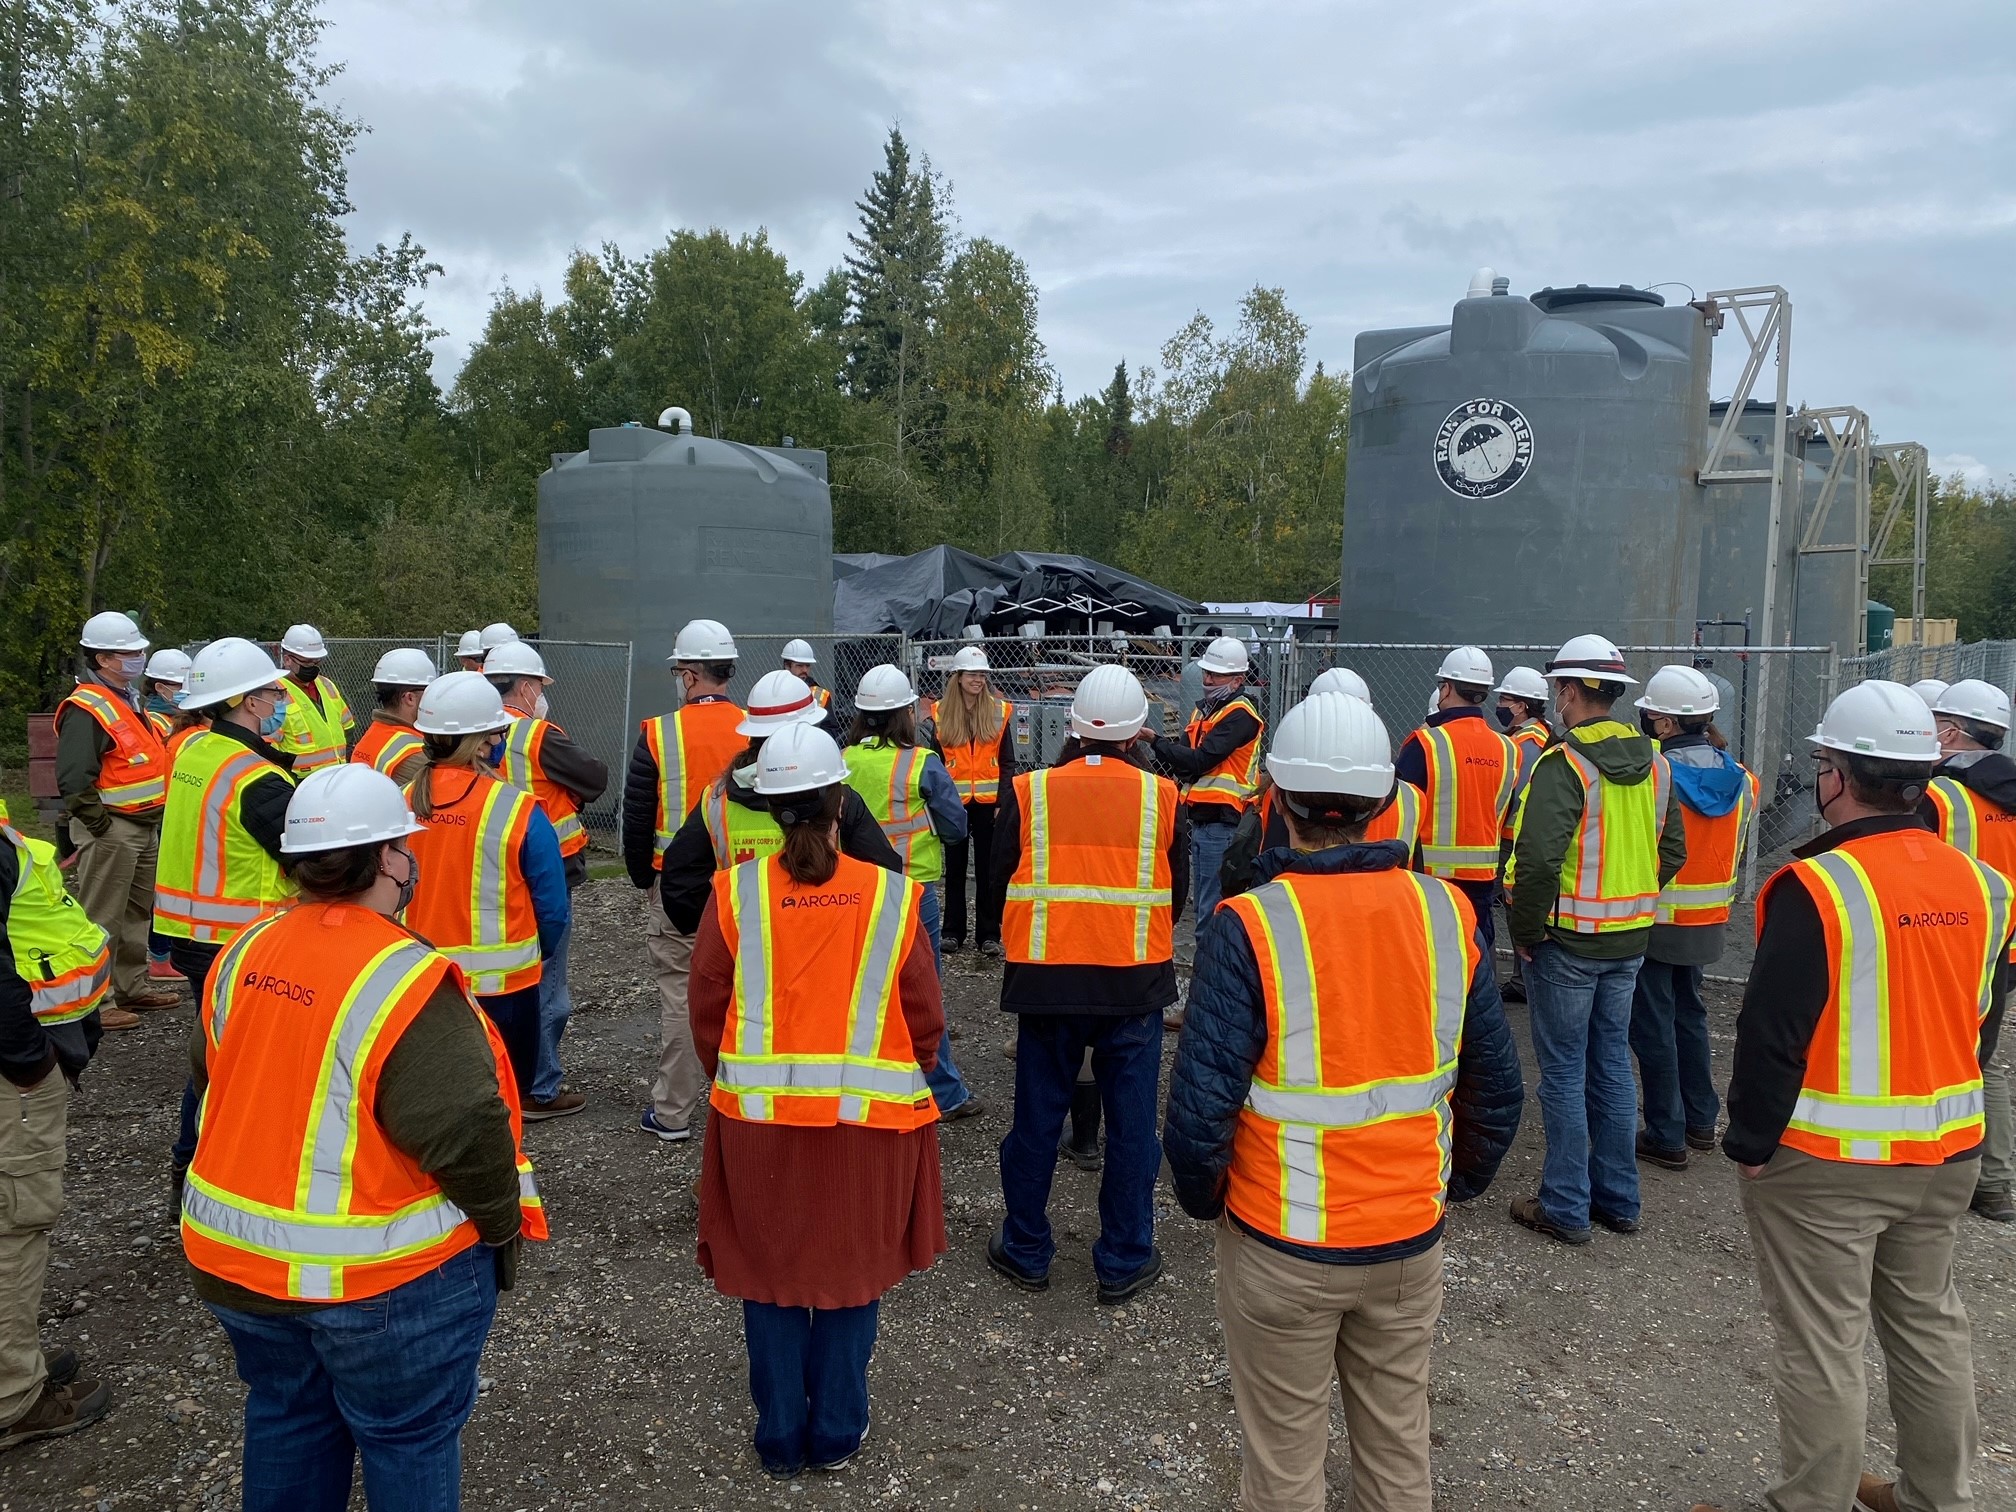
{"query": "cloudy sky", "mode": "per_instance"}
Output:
(1151, 160)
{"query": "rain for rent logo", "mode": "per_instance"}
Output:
(1483, 449)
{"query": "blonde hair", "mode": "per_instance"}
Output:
(959, 726)
(448, 751)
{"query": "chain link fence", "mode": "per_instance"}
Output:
(1992, 661)
(837, 664)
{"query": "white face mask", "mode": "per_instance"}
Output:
(1434, 701)
(541, 708)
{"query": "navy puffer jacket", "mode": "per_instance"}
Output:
(1225, 1031)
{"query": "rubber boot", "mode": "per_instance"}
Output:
(1082, 1148)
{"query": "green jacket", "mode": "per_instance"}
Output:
(1553, 809)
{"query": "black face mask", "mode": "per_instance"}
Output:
(307, 672)
(1645, 726)
(1504, 716)
(411, 884)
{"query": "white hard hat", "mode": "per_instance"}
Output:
(778, 700)
(111, 631)
(1225, 654)
(304, 641)
(471, 643)
(703, 640)
(347, 804)
(798, 759)
(1878, 718)
(1340, 680)
(1523, 682)
(1590, 656)
(224, 669)
(1466, 664)
(498, 634)
(1675, 689)
(1971, 698)
(1930, 689)
(1109, 704)
(404, 667)
(883, 689)
(514, 659)
(169, 664)
(1332, 743)
(460, 703)
(799, 651)
(970, 659)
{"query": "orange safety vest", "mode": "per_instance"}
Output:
(180, 738)
(1471, 772)
(133, 772)
(521, 767)
(1915, 932)
(1528, 741)
(163, 725)
(1093, 886)
(1399, 820)
(1973, 826)
(473, 903)
(385, 746)
(816, 1035)
(295, 1191)
(1235, 780)
(1704, 889)
(691, 746)
(1344, 1138)
(976, 766)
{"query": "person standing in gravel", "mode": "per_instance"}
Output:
(1345, 1039)
(1855, 1115)
(816, 1011)
(359, 1187)
(1096, 854)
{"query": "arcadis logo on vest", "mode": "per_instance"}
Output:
(1483, 449)
(821, 900)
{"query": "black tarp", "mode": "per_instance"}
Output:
(847, 563)
(938, 592)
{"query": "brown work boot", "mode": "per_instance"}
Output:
(58, 1411)
(152, 1002)
(1875, 1495)
(559, 1105)
(111, 1017)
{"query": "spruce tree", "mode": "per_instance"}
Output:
(894, 276)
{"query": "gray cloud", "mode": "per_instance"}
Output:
(1152, 159)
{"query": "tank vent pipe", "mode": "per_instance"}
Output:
(1480, 283)
(672, 417)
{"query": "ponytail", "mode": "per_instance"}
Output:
(444, 751)
(810, 855)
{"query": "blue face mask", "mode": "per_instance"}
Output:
(270, 725)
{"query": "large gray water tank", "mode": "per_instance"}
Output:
(1526, 472)
(648, 529)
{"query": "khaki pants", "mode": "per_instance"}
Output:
(1839, 1246)
(1290, 1326)
(1998, 1145)
(115, 883)
(31, 1197)
(680, 1082)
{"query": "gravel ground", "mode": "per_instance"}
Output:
(1631, 1373)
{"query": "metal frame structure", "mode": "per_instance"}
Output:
(1909, 468)
(1845, 430)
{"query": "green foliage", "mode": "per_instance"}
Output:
(1970, 561)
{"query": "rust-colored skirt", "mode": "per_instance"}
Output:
(817, 1217)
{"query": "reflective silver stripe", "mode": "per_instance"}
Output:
(752, 969)
(1038, 821)
(1125, 897)
(486, 966)
(210, 838)
(1441, 816)
(714, 812)
(1407, 798)
(1888, 1118)
(335, 1241)
(54, 1002)
(517, 764)
(131, 794)
(331, 1140)
(873, 980)
(904, 823)
(1861, 970)
(1958, 811)
(1607, 908)
(1459, 855)
(309, 761)
(1144, 872)
(1589, 832)
(1997, 888)
(1298, 1052)
(819, 1076)
(1446, 959)
(175, 906)
(1353, 1107)
(1220, 782)
(1300, 1150)
(395, 750)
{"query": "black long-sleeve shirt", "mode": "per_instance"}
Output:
(1785, 996)
(1187, 763)
(263, 809)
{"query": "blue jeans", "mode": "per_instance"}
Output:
(1127, 1065)
(516, 1015)
(556, 1006)
(808, 1371)
(193, 959)
(948, 1087)
(1208, 844)
(1669, 1035)
(1581, 1016)
(390, 1379)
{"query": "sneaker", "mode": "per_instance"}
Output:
(1527, 1212)
(164, 970)
(1615, 1225)
(997, 1260)
(1667, 1160)
(1701, 1139)
(784, 1472)
(559, 1105)
(1091, 1159)
(991, 949)
(60, 1410)
(111, 1019)
(1994, 1204)
(1875, 1495)
(1114, 1294)
(152, 1002)
(971, 1108)
(650, 1125)
(848, 1458)
(949, 947)
(1514, 991)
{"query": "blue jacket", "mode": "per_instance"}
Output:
(1225, 1032)
(546, 876)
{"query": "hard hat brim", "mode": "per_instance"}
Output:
(1599, 674)
(413, 827)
